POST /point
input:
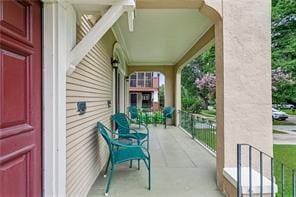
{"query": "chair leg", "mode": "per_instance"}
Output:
(139, 142)
(109, 181)
(148, 165)
(131, 164)
(106, 170)
(149, 176)
(148, 142)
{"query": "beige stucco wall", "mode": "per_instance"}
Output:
(243, 53)
(86, 152)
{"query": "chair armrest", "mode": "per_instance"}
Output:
(146, 151)
(145, 126)
(123, 135)
(116, 143)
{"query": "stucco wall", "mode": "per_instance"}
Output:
(243, 58)
(90, 82)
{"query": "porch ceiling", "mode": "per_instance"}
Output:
(161, 36)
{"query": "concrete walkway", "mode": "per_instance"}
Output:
(180, 167)
(288, 138)
(291, 129)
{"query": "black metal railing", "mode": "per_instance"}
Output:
(201, 129)
(249, 156)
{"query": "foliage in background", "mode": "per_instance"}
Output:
(193, 76)
(279, 76)
(189, 102)
(206, 86)
(161, 96)
(284, 48)
(151, 117)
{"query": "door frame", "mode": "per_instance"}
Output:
(119, 83)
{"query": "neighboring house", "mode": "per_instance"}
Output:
(59, 78)
(144, 89)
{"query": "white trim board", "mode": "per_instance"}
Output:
(99, 30)
(56, 17)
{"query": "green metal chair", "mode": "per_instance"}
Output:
(168, 113)
(134, 115)
(120, 153)
(125, 131)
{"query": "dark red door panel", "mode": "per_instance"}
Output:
(20, 98)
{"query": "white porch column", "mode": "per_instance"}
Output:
(243, 52)
(57, 20)
(178, 104)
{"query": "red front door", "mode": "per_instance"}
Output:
(20, 98)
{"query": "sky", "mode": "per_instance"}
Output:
(161, 78)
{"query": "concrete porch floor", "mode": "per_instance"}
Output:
(180, 167)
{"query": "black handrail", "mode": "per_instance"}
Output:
(284, 169)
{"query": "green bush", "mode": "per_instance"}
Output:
(191, 104)
(151, 117)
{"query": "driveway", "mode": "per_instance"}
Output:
(292, 119)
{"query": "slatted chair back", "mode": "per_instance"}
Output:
(122, 123)
(133, 112)
(168, 112)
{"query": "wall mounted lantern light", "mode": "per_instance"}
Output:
(114, 62)
(126, 78)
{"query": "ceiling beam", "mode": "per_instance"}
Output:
(169, 4)
(199, 45)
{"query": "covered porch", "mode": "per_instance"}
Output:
(181, 167)
(106, 41)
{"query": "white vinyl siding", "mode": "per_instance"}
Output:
(91, 82)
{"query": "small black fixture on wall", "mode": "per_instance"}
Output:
(81, 107)
(109, 103)
(126, 78)
(114, 62)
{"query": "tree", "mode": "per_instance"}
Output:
(207, 88)
(190, 103)
(192, 94)
(284, 49)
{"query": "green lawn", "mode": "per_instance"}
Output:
(207, 137)
(284, 154)
(210, 113)
(289, 111)
(280, 122)
(278, 132)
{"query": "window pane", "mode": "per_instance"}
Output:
(148, 79)
(140, 79)
(133, 82)
(133, 76)
(140, 75)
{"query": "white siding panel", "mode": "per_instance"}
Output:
(91, 82)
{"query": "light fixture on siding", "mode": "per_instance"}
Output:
(126, 78)
(114, 62)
